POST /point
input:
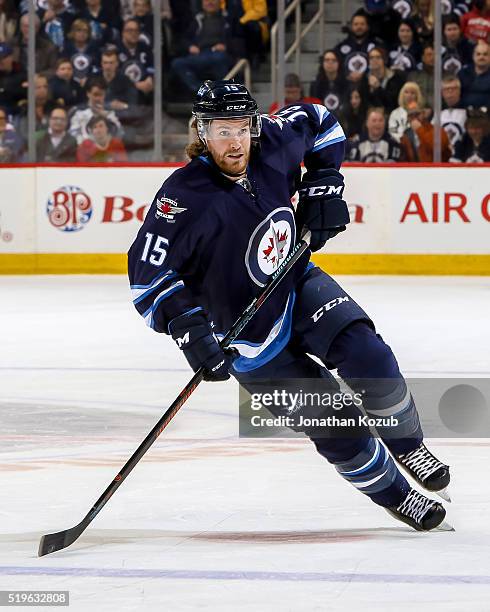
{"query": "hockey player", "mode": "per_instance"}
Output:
(218, 229)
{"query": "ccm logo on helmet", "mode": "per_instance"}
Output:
(321, 190)
(328, 306)
(236, 107)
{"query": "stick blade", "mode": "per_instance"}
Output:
(57, 541)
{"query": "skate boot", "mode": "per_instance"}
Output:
(420, 512)
(428, 471)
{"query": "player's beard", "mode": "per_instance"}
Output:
(231, 167)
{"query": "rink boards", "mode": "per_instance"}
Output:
(404, 219)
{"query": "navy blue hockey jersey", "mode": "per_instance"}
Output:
(208, 243)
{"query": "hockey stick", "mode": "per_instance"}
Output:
(57, 541)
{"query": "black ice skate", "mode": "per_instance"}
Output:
(421, 513)
(428, 471)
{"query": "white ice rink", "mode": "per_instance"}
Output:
(208, 521)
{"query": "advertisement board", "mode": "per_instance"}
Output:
(403, 219)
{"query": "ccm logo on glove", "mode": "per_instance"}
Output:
(322, 190)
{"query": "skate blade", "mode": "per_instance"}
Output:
(444, 526)
(444, 494)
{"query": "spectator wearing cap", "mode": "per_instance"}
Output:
(418, 141)
(425, 77)
(10, 143)
(102, 146)
(46, 52)
(476, 23)
(375, 145)
(13, 81)
(475, 79)
(457, 51)
(56, 20)
(398, 121)
(65, 90)
(453, 114)
(474, 147)
(293, 92)
(383, 20)
(355, 47)
(406, 54)
(95, 90)
(136, 58)
(206, 43)
(8, 21)
(330, 84)
(384, 84)
(56, 144)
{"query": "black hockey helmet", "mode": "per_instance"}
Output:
(225, 100)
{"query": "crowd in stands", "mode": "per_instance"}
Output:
(379, 81)
(95, 82)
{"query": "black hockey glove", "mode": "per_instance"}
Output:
(194, 337)
(321, 208)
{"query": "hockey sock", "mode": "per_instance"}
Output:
(371, 470)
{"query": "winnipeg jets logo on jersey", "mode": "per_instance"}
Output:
(269, 245)
(167, 209)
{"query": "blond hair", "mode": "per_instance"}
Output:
(413, 85)
(196, 146)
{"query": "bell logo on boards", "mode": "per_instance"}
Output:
(69, 208)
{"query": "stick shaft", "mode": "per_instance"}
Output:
(191, 386)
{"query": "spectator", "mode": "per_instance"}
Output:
(103, 20)
(383, 20)
(56, 20)
(95, 90)
(453, 115)
(425, 77)
(102, 147)
(56, 144)
(12, 81)
(476, 23)
(423, 18)
(64, 89)
(207, 44)
(10, 143)
(398, 121)
(384, 84)
(354, 49)
(457, 51)
(142, 12)
(46, 52)
(121, 92)
(293, 92)
(475, 80)
(418, 141)
(330, 84)
(249, 21)
(8, 21)
(375, 145)
(407, 53)
(474, 147)
(43, 107)
(136, 59)
(82, 52)
(352, 115)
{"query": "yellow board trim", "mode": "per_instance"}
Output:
(116, 263)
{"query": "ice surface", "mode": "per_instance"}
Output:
(208, 521)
